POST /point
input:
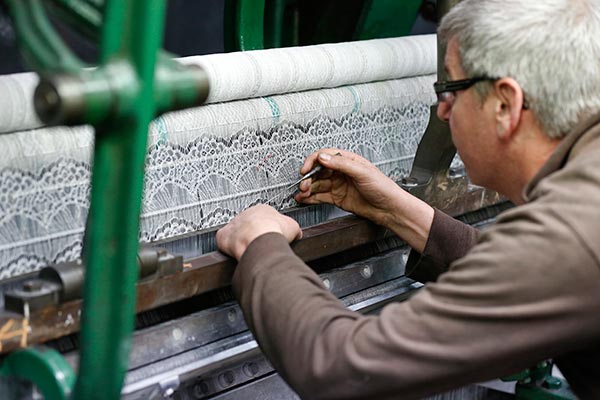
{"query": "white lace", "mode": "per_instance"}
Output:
(204, 165)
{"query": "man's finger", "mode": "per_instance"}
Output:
(316, 198)
(354, 168)
(311, 160)
(321, 186)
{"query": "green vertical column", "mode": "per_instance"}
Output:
(244, 25)
(132, 34)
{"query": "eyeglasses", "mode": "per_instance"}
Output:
(446, 90)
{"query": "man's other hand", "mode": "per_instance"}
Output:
(234, 238)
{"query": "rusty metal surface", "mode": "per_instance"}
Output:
(214, 270)
(456, 195)
(202, 274)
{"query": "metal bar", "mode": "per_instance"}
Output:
(202, 274)
(132, 29)
(226, 353)
(41, 46)
(244, 25)
(211, 271)
(86, 17)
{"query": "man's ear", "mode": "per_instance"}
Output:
(508, 108)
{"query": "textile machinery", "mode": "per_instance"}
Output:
(74, 281)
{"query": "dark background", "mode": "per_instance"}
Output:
(193, 27)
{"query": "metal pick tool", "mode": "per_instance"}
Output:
(310, 173)
(304, 177)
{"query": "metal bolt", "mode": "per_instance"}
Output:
(552, 383)
(47, 100)
(327, 283)
(227, 378)
(231, 315)
(177, 334)
(366, 271)
(169, 386)
(49, 96)
(200, 389)
(250, 369)
(409, 182)
(32, 286)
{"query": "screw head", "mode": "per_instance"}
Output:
(231, 315)
(366, 271)
(250, 369)
(227, 378)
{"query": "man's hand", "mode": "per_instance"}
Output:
(356, 185)
(350, 182)
(234, 238)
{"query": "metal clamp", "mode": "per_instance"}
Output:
(64, 282)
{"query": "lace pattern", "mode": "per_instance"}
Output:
(204, 165)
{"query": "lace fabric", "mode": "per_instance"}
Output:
(205, 164)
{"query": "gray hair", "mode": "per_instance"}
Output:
(551, 47)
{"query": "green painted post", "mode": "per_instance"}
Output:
(119, 98)
(244, 25)
(386, 18)
(134, 34)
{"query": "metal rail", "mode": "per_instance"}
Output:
(201, 274)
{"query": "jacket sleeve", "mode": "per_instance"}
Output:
(449, 239)
(526, 292)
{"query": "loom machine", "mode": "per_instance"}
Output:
(111, 282)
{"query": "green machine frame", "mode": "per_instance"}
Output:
(261, 24)
(133, 82)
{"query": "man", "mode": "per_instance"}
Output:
(524, 117)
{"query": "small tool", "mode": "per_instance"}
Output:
(310, 173)
(286, 190)
(318, 168)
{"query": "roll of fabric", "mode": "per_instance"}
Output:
(242, 75)
(235, 76)
(16, 102)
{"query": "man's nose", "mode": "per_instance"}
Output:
(443, 110)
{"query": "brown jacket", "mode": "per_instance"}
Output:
(525, 289)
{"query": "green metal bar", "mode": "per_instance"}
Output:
(54, 376)
(386, 18)
(273, 23)
(133, 30)
(42, 47)
(244, 25)
(119, 98)
(85, 16)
